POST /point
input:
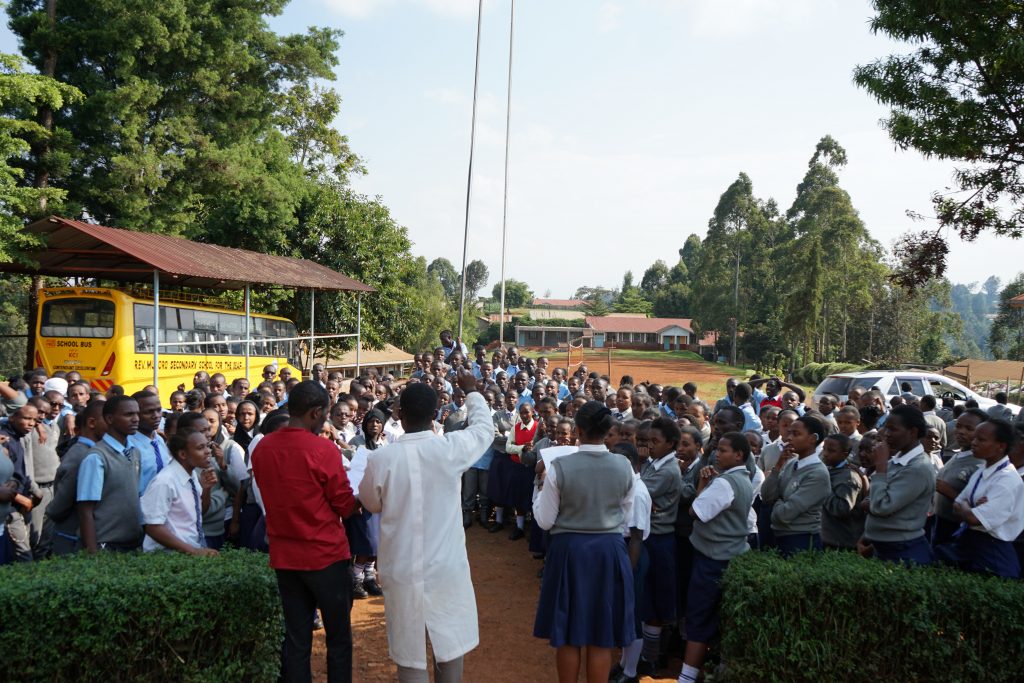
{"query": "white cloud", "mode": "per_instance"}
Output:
(608, 16)
(355, 8)
(715, 18)
(364, 8)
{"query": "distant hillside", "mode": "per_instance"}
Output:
(974, 303)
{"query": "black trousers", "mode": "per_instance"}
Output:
(302, 592)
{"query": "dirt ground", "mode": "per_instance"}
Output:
(505, 574)
(710, 379)
(507, 586)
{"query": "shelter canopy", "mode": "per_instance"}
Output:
(77, 249)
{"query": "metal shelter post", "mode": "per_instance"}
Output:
(156, 328)
(248, 334)
(359, 328)
(312, 327)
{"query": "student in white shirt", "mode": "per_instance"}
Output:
(635, 530)
(173, 502)
(991, 506)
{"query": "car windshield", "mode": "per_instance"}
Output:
(834, 385)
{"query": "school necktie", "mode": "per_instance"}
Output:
(156, 450)
(199, 512)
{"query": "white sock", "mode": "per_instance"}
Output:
(688, 674)
(630, 657)
(358, 570)
(652, 642)
(520, 521)
(499, 515)
(370, 570)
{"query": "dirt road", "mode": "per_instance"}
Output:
(506, 582)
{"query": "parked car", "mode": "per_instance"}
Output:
(890, 381)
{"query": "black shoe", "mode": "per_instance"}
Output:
(467, 520)
(358, 592)
(615, 672)
(645, 668)
(495, 527)
(372, 587)
(623, 678)
(516, 534)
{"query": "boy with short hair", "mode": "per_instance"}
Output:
(108, 483)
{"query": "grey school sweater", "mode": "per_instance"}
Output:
(956, 472)
(61, 510)
(900, 498)
(684, 522)
(797, 492)
(842, 523)
(665, 484)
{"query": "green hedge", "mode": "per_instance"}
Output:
(815, 373)
(141, 617)
(838, 617)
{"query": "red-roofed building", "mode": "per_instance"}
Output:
(620, 331)
(629, 332)
(1017, 301)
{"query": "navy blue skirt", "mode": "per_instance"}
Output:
(917, 551)
(659, 598)
(704, 598)
(790, 544)
(976, 551)
(684, 565)
(358, 533)
(586, 596)
(639, 578)
(510, 484)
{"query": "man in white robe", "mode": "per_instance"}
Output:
(414, 484)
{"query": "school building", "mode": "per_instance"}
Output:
(388, 360)
(556, 309)
(619, 331)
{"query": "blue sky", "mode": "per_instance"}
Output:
(629, 119)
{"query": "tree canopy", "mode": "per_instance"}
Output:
(957, 96)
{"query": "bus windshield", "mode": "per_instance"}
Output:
(78, 317)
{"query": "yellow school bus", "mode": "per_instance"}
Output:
(107, 336)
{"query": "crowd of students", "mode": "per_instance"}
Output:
(690, 483)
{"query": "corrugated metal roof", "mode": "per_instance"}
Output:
(77, 249)
(559, 303)
(613, 323)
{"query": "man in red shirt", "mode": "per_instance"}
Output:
(306, 493)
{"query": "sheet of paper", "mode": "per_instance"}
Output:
(357, 467)
(549, 455)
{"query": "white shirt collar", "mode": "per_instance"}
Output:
(905, 458)
(696, 461)
(963, 454)
(656, 464)
(929, 412)
(592, 447)
(734, 469)
(991, 469)
(814, 457)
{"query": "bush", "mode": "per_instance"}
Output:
(838, 617)
(141, 617)
(814, 374)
